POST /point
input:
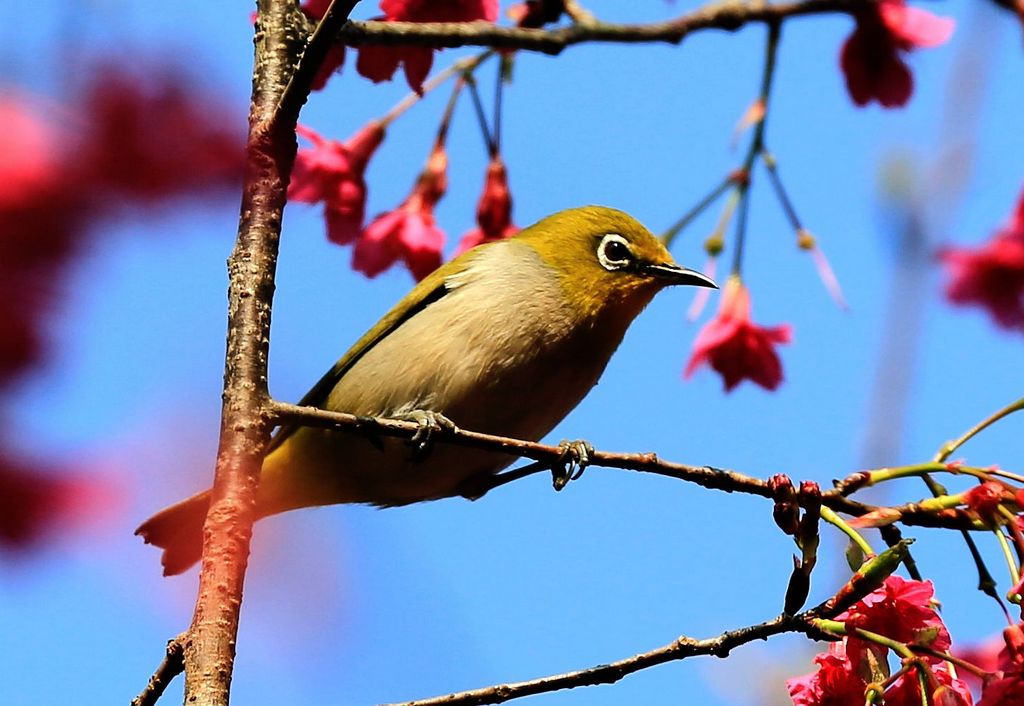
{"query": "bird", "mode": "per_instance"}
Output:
(505, 339)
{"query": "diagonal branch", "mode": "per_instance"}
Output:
(297, 90)
(730, 15)
(870, 576)
(172, 665)
(678, 649)
(704, 476)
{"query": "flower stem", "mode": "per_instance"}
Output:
(756, 142)
(1008, 555)
(579, 14)
(922, 685)
(743, 193)
(986, 584)
(950, 447)
(481, 118)
(460, 66)
(833, 519)
(504, 65)
(772, 167)
(922, 469)
(898, 647)
(670, 235)
(449, 109)
(837, 627)
(946, 657)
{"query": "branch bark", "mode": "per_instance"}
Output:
(704, 476)
(730, 15)
(279, 90)
(172, 665)
(678, 649)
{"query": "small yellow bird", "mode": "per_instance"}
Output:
(506, 339)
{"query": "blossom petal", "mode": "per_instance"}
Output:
(915, 27)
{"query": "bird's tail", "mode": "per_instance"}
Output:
(178, 530)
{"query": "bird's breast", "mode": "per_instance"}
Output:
(502, 352)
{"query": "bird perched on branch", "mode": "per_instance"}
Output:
(506, 339)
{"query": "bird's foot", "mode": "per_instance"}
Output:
(429, 424)
(573, 460)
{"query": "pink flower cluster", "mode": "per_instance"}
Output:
(379, 63)
(902, 611)
(408, 233)
(136, 141)
(332, 173)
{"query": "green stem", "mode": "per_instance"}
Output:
(837, 627)
(923, 469)
(833, 519)
(942, 502)
(922, 683)
(1008, 556)
(986, 584)
(950, 447)
(946, 657)
(898, 647)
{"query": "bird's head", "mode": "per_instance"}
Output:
(606, 258)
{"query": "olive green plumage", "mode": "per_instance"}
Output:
(505, 339)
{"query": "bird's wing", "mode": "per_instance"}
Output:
(435, 286)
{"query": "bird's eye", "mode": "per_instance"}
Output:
(613, 252)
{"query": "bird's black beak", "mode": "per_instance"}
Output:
(674, 274)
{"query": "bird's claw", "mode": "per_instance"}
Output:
(572, 461)
(429, 424)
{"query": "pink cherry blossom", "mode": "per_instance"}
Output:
(735, 346)
(872, 57)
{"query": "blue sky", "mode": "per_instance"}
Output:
(354, 605)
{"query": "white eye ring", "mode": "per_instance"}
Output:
(613, 252)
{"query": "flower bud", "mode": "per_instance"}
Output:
(786, 512)
(807, 531)
(714, 244)
(804, 240)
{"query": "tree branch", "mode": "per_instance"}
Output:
(678, 649)
(209, 645)
(704, 476)
(870, 576)
(730, 16)
(172, 665)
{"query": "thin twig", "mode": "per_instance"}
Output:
(172, 665)
(297, 90)
(950, 447)
(462, 65)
